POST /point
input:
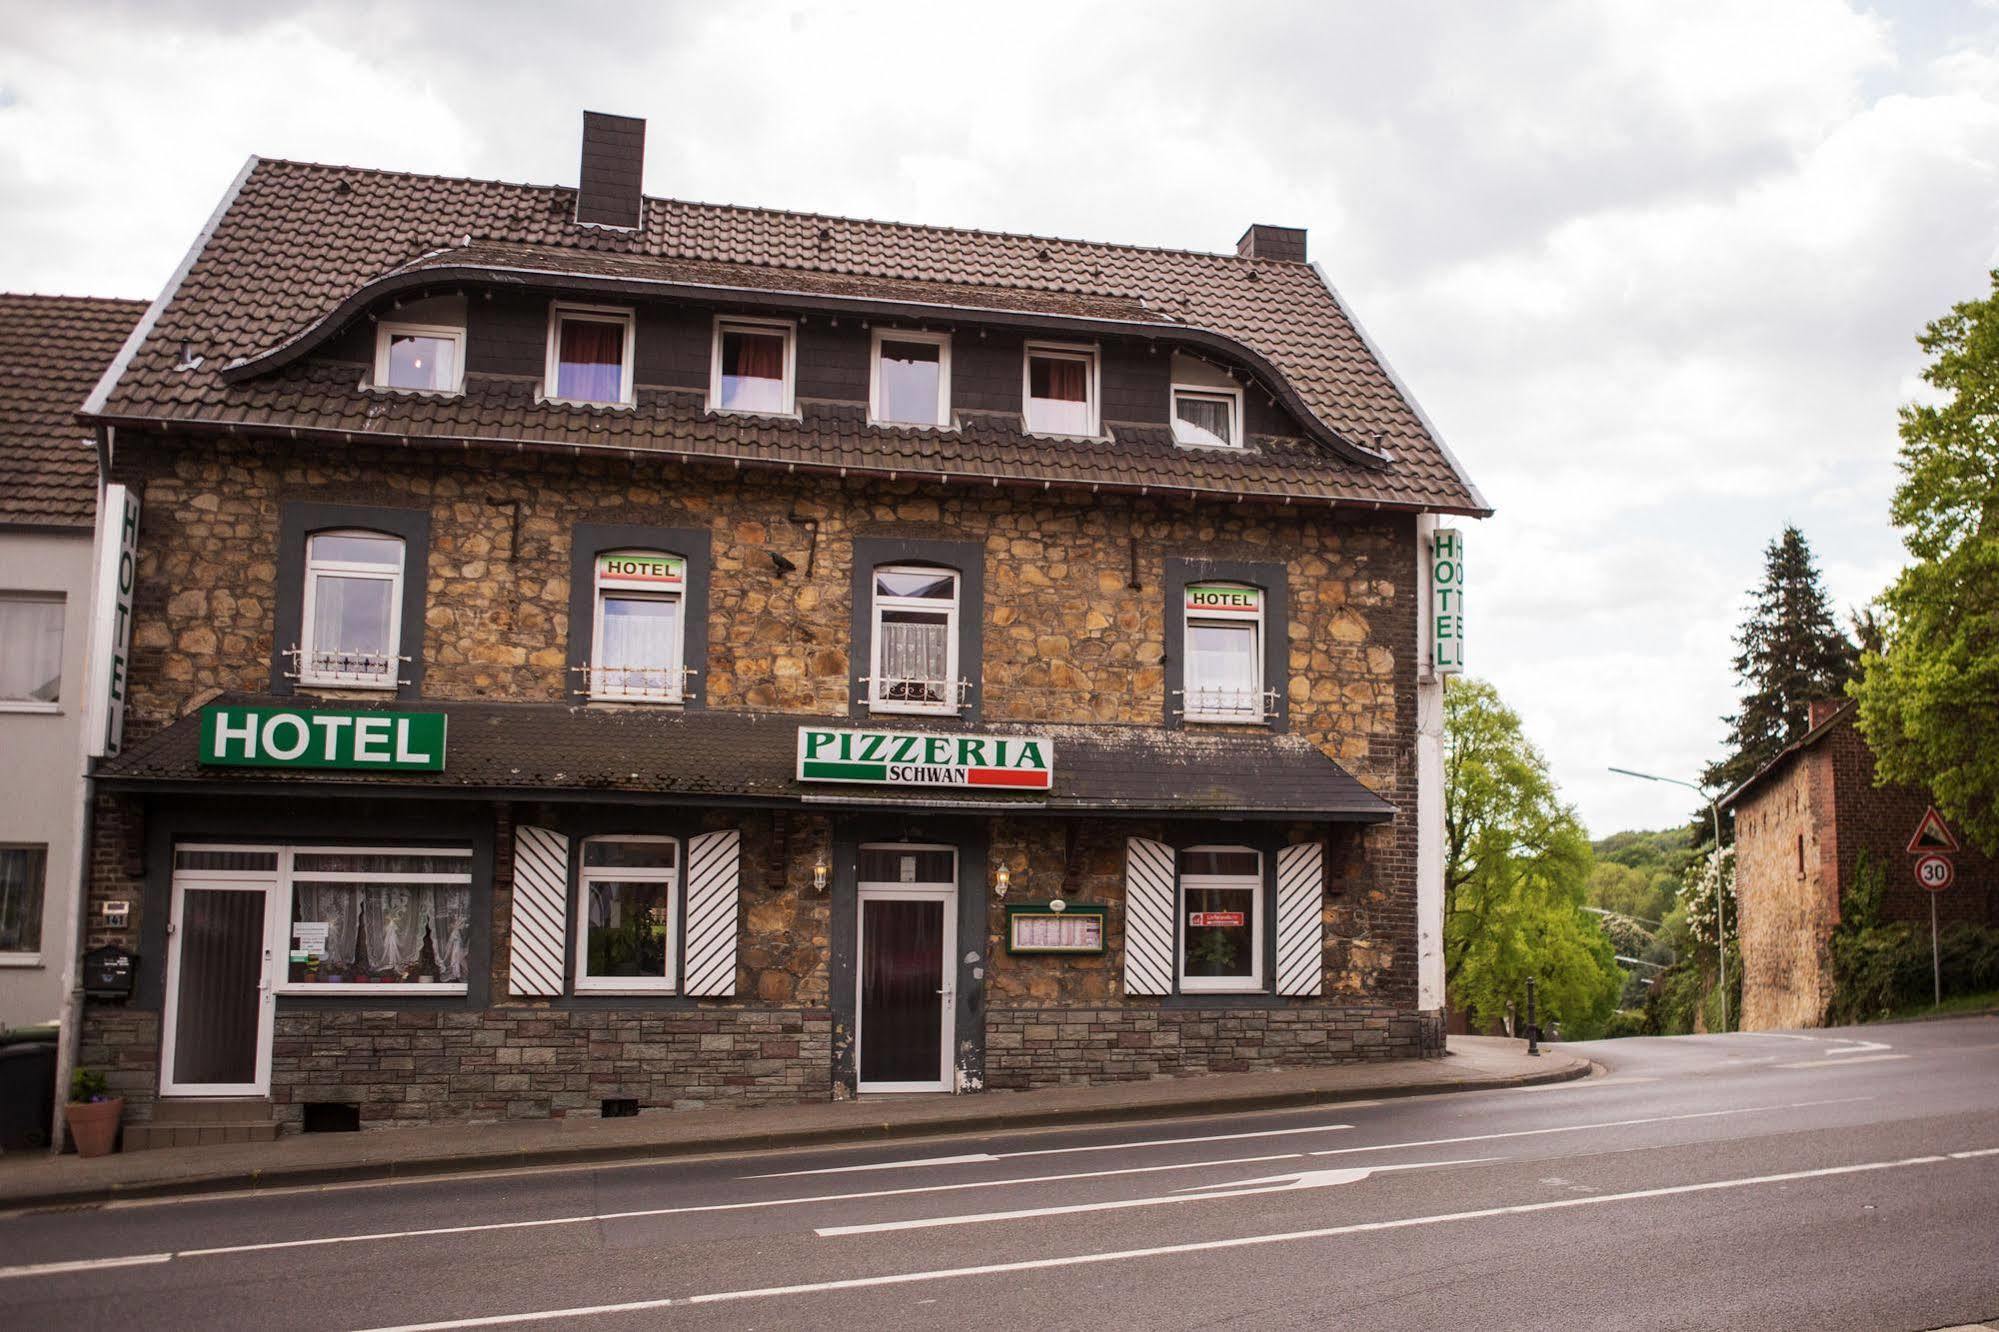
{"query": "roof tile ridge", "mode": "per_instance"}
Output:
(391, 172)
(63, 298)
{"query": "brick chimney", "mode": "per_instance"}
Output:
(1819, 709)
(1281, 244)
(611, 185)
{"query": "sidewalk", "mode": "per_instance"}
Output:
(1475, 1063)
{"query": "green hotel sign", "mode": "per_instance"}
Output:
(912, 758)
(310, 738)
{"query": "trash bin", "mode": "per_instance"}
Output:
(27, 1094)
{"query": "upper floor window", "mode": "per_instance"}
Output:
(351, 628)
(1221, 919)
(1061, 390)
(636, 652)
(628, 893)
(423, 358)
(589, 354)
(30, 651)
(1207, 418)
(911, 382)
(1223, 680)
(915, 666)
(753, 366)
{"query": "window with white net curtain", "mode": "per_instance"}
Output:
(637, 654)
(915, 666)
(380, 916)
(353, 610)
(30, 649)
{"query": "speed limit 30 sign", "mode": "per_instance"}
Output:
(1935, 873)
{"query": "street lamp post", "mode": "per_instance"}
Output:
(1720, 898)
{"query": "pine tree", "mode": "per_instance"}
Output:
(1790, 652)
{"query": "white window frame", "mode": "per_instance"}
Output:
(600, 314)
(1232, 396)
(676, 673)
(1250, 984)
(948, 707)
(1085, 352)
(33, 705)
(31, 957)
(314, 569)
(280, 880)
(942, 341)
(386, 330)
(586, 874)
(787, 328)
(1258, 713)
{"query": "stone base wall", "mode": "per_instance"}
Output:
(124, 1045)
(1049, 1047)
(404, 1067)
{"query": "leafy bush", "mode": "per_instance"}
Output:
(1882, 968)
(86, 1084)
(1624, 1022)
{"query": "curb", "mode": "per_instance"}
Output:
(586, 1154)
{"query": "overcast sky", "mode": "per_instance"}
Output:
(1654, 270)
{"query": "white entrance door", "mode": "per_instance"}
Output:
(220, 973)
(905, 1017)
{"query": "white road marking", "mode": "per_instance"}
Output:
(85, 1265)
(91, 1264)
(1578, 1128)
(1857, 1046)
(1843, 1063)
(1241, 1188)
(1054, 1151)
(1169, 1250)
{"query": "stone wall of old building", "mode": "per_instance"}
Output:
(1787, 891)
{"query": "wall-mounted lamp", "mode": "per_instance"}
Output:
(819, 876)
(1002, 880)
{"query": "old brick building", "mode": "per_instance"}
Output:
(1801, 825)
(593, 649)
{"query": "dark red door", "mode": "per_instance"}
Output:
(902, 974)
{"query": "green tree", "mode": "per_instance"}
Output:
(1929, 701)
(1789, 652)
(1516, 875)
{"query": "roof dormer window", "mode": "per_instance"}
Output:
(1061, 390)
(420, 358)
(1207, 405)
(589, 355)
(754, 366)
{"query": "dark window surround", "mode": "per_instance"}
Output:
(843, 933)
(301, 519)
(968, 559)
(1273, 578)
(295, 820)
(586, 543)
(580, 825)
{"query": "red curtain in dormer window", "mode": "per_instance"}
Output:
(592, 367)
(1059, 380)
(753, 355)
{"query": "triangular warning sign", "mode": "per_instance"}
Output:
(1931, 834)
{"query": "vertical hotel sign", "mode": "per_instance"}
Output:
(1447, 601)
(116, 575)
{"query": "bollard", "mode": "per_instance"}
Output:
(1533, 1031)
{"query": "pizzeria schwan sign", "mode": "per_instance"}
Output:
(908, 758)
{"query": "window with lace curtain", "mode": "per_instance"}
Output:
(351, 629)
(636, 653)
(378, 916)
(915, 665)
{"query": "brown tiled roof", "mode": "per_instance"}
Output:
(52, 349)
(296, 243)
(548, 749)
(1843, 715)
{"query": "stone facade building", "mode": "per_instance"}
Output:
(596, 652)
(1801, 827)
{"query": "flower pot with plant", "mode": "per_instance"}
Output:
(92, 1113)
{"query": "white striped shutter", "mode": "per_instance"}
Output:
(713, 870)
(1301, 944)
(541, 911)
(1148, 917)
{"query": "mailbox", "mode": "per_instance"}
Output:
(108, 972)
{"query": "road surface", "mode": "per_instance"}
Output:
(1836, 1179)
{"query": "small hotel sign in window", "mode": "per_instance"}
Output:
(903, 758)
(286, 738)
(666, 573)
(1224, 599)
